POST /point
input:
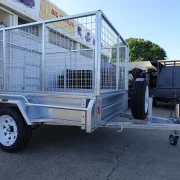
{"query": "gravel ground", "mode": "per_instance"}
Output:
(68, 153)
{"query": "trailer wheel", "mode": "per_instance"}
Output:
(139, 99)
(14, 132)
(173, 139)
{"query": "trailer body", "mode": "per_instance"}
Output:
(57, 78)
(167, 85)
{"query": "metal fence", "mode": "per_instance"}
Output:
(82, 53)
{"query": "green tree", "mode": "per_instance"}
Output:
(140, 49)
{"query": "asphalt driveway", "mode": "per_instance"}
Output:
(68, 153)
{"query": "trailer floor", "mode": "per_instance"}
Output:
(69, 153)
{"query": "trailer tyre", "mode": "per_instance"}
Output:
(15, 134)
(173, 139)
(139, 99)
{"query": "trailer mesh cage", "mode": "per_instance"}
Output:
(83, 54)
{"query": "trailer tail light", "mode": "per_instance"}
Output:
(98, 109)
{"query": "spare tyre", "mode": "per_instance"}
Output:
(139, 98)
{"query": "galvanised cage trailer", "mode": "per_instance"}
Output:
(56, 75)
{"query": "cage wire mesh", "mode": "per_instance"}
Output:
(23, 58)
(70, 55)
(112, 78)
(123, 73)
(108, 57)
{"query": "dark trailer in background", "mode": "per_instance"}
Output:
(168, 80)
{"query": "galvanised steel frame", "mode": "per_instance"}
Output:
(87, 110)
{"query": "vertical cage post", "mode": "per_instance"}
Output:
(43, 56)
(98, 54)
(4, 60)
(117, 64)
(126, 67)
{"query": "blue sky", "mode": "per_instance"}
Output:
(154, 20)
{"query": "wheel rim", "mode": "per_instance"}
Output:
(146, 99)
(171, 139)
(8, 130)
